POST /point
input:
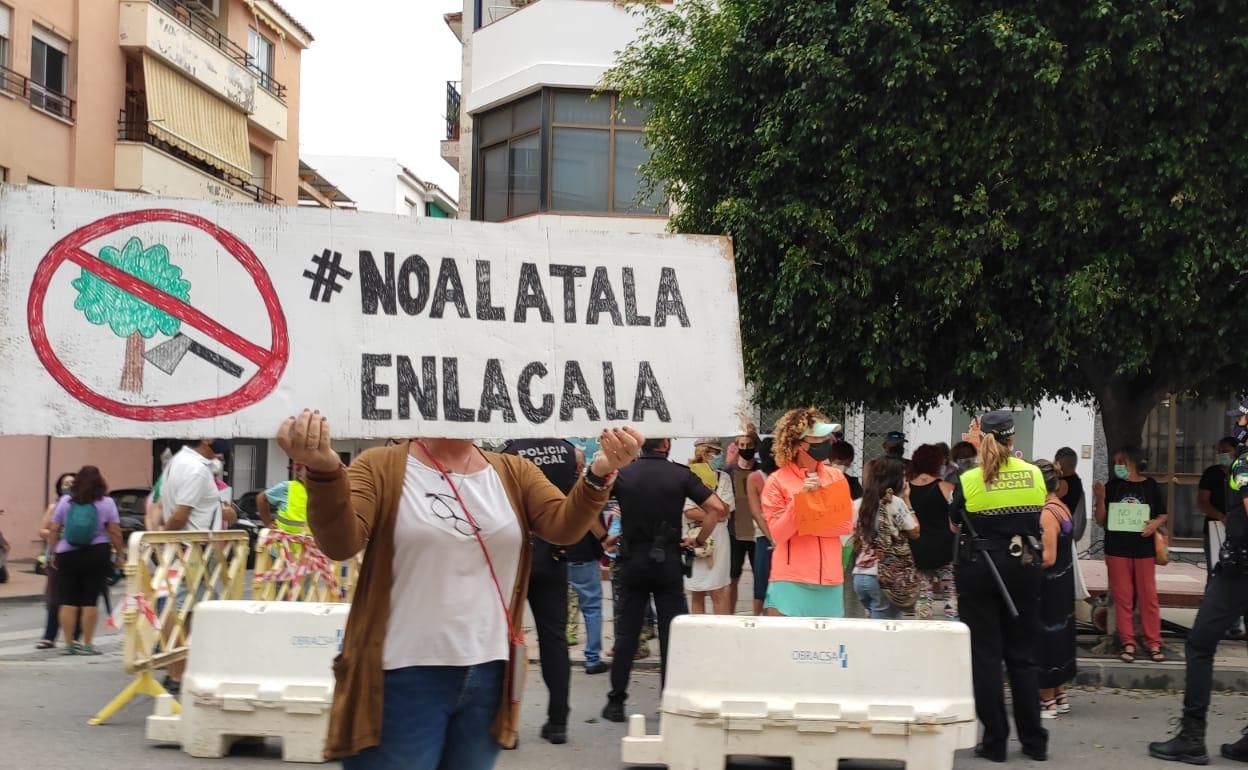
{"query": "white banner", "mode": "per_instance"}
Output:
(130, 316)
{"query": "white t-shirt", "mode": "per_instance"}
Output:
(189, 481)
(444, 608)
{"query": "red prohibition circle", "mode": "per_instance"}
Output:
(271, 362)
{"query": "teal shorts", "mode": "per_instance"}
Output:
(801, 600)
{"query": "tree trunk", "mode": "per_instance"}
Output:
(1123, 415)
(132, 369)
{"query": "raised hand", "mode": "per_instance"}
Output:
(617, 447)
(305, 440)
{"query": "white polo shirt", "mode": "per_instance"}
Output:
(188, 481)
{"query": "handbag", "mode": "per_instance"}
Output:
(899, 578)
(518, 659)
(1161, 547)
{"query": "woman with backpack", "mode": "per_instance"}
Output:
(84, 522)
(884, 566)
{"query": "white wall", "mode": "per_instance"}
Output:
(933, 427)
(568, 43)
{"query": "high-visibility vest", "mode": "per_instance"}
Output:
(294, 518)
(1018, 488)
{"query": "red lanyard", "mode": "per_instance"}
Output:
(472, 522)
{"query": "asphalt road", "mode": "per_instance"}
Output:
(46, 699)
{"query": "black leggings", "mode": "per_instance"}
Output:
(82, 574)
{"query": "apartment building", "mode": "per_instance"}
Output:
(180, 98)
(386, 186)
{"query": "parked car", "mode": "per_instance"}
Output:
(249, 522)
(132, 509)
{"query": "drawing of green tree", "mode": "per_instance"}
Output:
(129, 317)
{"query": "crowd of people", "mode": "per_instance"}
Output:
(458, 539)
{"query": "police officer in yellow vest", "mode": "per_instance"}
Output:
(286, 504)
(997, 505)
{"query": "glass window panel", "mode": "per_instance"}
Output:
(495, 125)
(630, 153)
(526, 164)
(494, 184)
(527, 114)
(579, 178)
(39, 61)
(259, 167)
(632, 113)
(579, 107)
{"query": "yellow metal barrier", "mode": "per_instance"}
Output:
(167, 574)
(291, 568)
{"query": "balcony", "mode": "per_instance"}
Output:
(450, 145)
(146, 163)
(177, 36)
(42, 99)
(532, 47)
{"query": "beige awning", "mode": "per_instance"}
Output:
(194, 119)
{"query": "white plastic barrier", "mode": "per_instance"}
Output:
(812, 690)
(257, 669)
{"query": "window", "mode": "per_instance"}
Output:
(6, 24)
(260, 168)
(409, 206)
(591, 148)
(260, 52)
(510, 159)
(4, 174)
(49, 72)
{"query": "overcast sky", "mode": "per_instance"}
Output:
(374, 81)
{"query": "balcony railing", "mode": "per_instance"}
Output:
(40, 97)
(215, 37)
(452, 109)
(132, 127)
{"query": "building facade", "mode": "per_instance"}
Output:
(385, 186)
(179, 98)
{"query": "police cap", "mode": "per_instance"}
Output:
(999, 423)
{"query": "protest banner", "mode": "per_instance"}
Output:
(128, 315)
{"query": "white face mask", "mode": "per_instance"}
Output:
(217, 466)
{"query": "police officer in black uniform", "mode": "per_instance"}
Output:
(1225, 600)
(548, 585)
(998, 573)
(651, 493)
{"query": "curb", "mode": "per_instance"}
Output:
(21, 599)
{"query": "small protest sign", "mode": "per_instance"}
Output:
(828, 508)
(130, 316)
(1128, 517)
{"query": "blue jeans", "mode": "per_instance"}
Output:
(586, 579)
(873, 599)
(436, 718)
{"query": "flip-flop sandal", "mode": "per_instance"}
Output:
(72, 649)
(1063, 704)
(1128, 653)
(1048, 709)
(1157, 655)
(88, 649)
(44, 644)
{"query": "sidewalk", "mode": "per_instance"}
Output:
(24, 584)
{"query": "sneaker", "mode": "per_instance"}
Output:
(72, 649)
(613, 711)
(556, 734)
(1238, 750)
(597, 668)
(643, 651)
(88, 649)
(1188, 744)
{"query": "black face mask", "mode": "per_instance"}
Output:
(747, 454)
(820, 452)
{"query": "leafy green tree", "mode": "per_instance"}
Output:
(996, 201)
(129, 317)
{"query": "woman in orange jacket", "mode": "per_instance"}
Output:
(806, 568)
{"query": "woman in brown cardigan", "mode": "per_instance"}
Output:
(423, 680)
